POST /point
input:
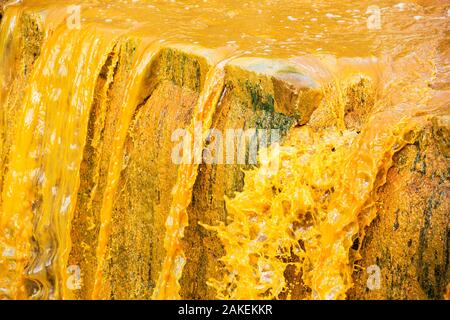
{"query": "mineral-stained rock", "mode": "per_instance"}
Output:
(409, 239)
(142, 99)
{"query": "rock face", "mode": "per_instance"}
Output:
(409, 239)
(91, 119)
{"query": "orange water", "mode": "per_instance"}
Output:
(322, 200)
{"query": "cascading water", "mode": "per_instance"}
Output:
(91, 93)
